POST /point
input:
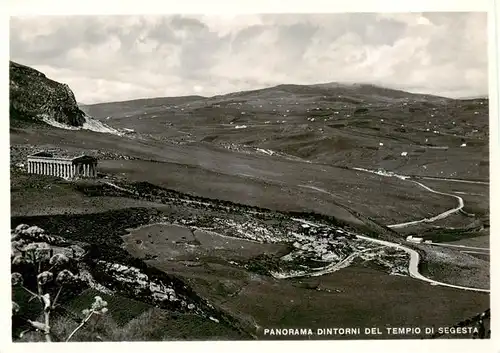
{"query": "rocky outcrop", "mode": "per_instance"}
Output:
(33, 97)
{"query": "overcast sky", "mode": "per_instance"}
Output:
(112, 58)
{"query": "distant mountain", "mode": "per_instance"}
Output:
(34, 97)
(335, 94)
(355, 93)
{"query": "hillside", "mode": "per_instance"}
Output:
(34, 97)
(353, 125)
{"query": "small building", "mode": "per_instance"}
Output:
(413, 239)
(62, 165)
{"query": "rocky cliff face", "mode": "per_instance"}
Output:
(33, 96)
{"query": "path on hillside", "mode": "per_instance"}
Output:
(437, 217)
(466, 247)
(442, 215)
(458, 180)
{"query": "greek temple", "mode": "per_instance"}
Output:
(64, 166)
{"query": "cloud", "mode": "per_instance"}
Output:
(109, 58)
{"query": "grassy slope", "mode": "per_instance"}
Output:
(349, 123)
(43, 195)
(260, 180)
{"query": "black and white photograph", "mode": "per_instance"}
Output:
(250, 176)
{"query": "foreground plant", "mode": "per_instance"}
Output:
(98, 307)
(32, 258)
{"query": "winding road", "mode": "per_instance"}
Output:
(458, 180)
(425, 220)
(414, 260)
(414, 255)
(413, 266)
(435, 218)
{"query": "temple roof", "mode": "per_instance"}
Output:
(61, 156)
